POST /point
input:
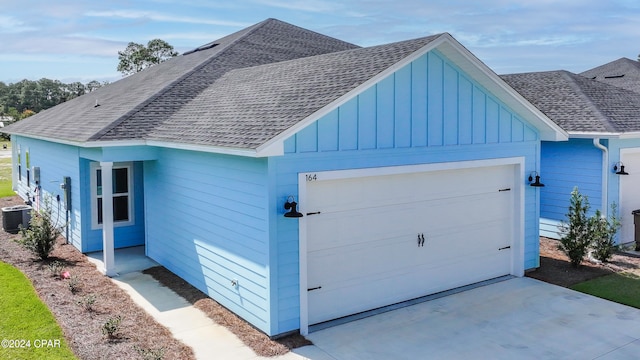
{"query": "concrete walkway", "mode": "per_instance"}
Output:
(187, 323)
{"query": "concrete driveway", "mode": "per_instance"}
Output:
(519, 318)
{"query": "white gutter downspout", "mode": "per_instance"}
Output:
(605, 175)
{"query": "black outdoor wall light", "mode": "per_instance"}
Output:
(619, 168)
(536, 183)
(291, 205)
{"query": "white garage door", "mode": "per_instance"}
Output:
(629, 195)
(365, 247)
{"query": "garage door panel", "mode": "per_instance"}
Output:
(356, 228)
(339, 229)
(392, 189)
(364, 253)
(420, 281)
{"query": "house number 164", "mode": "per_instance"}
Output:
(311, 177)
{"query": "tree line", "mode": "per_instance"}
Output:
(27, 97)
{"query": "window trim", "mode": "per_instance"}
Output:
(93, 188)
(27, 164)
(19, 157)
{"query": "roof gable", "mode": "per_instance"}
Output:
(428, 103)
(464, 60)
(579, 104)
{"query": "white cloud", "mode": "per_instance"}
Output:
(155, 16)
(9, 24)
(304, 5)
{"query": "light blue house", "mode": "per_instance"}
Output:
(296, 178)
(603, 123)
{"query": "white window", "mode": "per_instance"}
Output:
(122, 195)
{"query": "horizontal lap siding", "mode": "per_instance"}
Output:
(124, 236)
(207, 222)
(426, 112)
(55, 162)
(565, 165)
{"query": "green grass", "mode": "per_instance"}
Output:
(27, 320)
(623, 288)
(5, 178)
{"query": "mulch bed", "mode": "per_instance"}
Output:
(555, 267)
(83, 329)
(258, 341)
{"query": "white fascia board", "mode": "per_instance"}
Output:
(604, 135)
(162, 144)
(548, 129)
(630, 135)
(44, 138)
(594, 134)
(204, 148)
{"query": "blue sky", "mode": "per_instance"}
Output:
(77, 40)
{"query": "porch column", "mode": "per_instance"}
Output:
(107, 219)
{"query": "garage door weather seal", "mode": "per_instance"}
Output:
(365, 314)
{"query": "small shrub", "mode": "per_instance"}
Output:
(111, 327)
(575, 239)
(56, 268)
(150, 354)
(602, 232)
(74, 284)
(87, 302)
(40, 237)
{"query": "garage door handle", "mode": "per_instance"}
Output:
(505, 248)
(315, 288)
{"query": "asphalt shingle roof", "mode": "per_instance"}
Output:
(247, 107)
(579, 104)
(624, 73)
(134, 106)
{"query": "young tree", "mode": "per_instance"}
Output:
(137, 57)
(602, 232)
(581, 233)
(575, 239)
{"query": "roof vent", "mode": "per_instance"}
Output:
(203, 47)
(614, 76)
(97, 104)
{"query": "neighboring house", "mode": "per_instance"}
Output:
(5, 120)
(624, 73)
(409, 163)
(603, 122)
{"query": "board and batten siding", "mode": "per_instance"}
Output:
(55, 162)
(426, 112)
(565, 165)
(207, 221)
